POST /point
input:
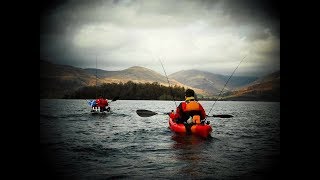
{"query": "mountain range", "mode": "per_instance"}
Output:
(57, 80)
(209, 82)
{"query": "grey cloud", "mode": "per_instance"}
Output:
(121, 32)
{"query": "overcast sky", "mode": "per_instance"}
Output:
(207, 35)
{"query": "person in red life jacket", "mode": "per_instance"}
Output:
(102, 103)
(190, 109)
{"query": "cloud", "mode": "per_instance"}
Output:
(207, 35)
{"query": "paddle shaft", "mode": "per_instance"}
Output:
(148, 113)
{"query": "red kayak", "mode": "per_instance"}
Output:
(203, 130)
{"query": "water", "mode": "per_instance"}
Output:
(121, 145)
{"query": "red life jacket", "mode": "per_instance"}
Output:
(192, 108)
(102, 103)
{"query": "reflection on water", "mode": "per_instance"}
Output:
(186, 141)
(189, 152)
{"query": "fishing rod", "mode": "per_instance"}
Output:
(168, 83)
(225, 85)
(96, 78)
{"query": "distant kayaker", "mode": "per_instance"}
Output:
(190, 109)
(102, 103)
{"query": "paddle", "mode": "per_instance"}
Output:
(115, 98)
(148, 113)
(222, 116)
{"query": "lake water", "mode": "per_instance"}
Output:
(122, 145)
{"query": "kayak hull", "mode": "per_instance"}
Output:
(202, 130)
(98, 113)
(95, 111)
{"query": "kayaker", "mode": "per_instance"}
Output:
(102, 103)
(190, 109)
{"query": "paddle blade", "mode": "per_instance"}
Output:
(115, 98)
(145, 113)
(223, 116)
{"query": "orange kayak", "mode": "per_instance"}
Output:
(203, 130)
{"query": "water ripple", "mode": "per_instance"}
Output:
(123, 145)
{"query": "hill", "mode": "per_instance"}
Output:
(266, 88)
(59, 80)
(209, 82)
(56, 81)
(138, 74)
(134, 74)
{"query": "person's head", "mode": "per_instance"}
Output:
(189, 93)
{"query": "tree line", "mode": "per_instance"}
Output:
(129, 91)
